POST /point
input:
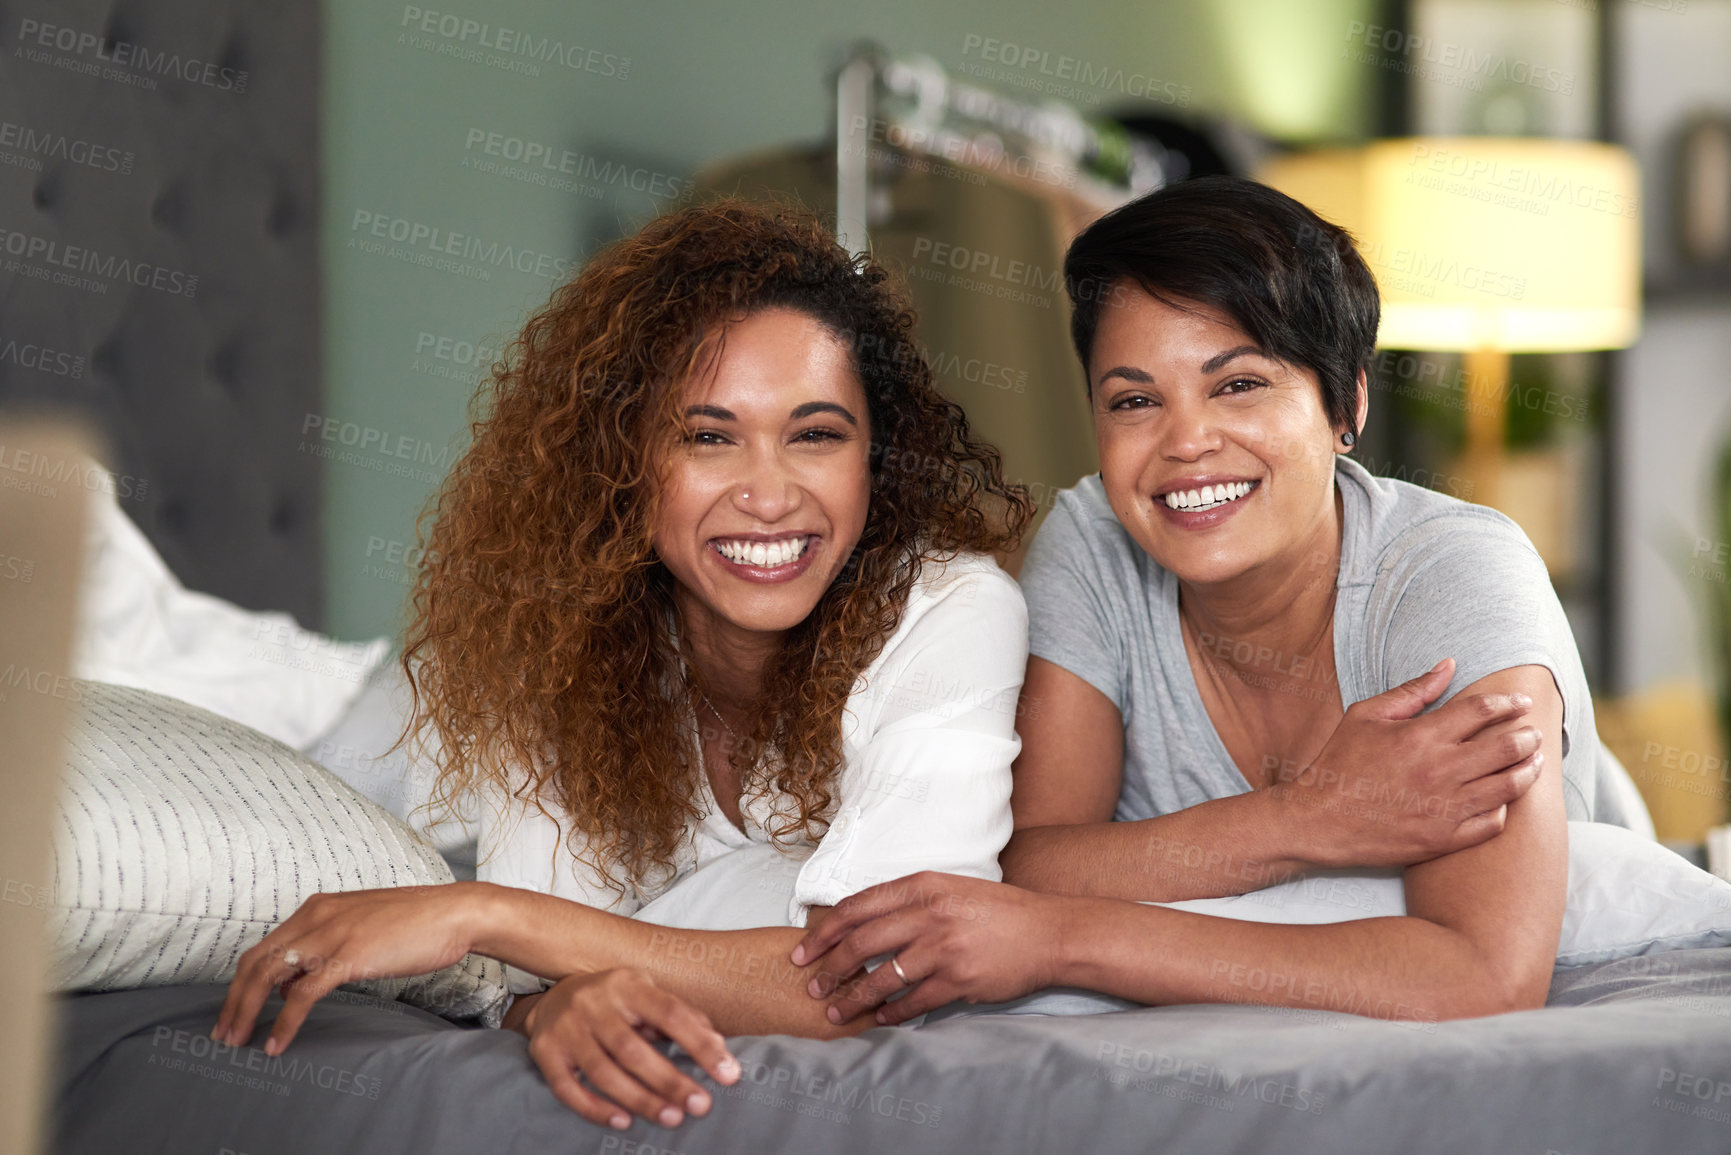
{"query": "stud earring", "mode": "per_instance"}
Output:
(1349, 439)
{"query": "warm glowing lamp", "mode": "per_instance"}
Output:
(1486, 246)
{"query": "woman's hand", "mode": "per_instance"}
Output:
(1393, 787)
(598, 1024)
(340, 938)
(952, 938)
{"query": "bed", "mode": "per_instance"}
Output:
(1629, 1056)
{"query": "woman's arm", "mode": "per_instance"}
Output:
(1480, 934)
(1479, 938)
(929, 789)
(741, 979)
(1067, 781)
(1352, 807)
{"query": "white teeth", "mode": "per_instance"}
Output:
(1209, 496)
(763, 554)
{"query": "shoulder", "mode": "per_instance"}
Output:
(963, 574)
(965, 587)
(1080, 535)
(1084, 511)
(1406, 533)
(964, 613)
(1449, 579)
(958, 652)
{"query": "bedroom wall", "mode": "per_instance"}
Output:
(421, 123)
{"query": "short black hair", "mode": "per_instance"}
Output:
(1291, 280)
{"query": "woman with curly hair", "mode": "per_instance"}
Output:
(709, 635)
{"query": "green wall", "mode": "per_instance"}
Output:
(435, 249)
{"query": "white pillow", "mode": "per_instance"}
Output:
(1628, 895)
(138, 626)
(184, 837)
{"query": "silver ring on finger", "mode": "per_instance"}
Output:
(896, 965)
(291, 958)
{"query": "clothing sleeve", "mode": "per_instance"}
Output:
(522, 847)
(929, 785)
(1071, 621)
(1475, 590)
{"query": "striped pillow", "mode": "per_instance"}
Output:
(183, 837)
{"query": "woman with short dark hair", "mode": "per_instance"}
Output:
(1233, 630)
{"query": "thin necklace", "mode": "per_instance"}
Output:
(732, 733)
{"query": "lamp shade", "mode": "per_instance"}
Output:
(1519, 245)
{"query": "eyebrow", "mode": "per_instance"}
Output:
(1139, 377)
(717, 413)
(1129, 373)
(811, 407)
(1220, 359)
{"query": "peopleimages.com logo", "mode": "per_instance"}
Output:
(37, 38)
(482, 42)
(26, 147)
(45, 254)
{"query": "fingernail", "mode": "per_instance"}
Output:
(834, 1015)
(619, 1122)
(272, 1047)
(882, 1018)
(697, 1104)
(671, 1116)
(799, 955)
(728, 1068)
(813, 989)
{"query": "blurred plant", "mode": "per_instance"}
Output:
(1548, 394)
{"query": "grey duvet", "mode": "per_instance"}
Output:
(1631, 1056)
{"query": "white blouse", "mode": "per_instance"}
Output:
(928, 736)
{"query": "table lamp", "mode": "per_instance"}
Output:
(1486, 246)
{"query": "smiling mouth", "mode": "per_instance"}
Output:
(1208, 496)
(763, 554)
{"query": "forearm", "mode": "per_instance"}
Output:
(1389, 968)
(1221, 847)
(742, 979)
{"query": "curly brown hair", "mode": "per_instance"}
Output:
(544, 636)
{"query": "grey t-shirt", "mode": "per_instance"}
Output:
(1423, 577)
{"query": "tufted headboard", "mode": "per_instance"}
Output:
(159, 269)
